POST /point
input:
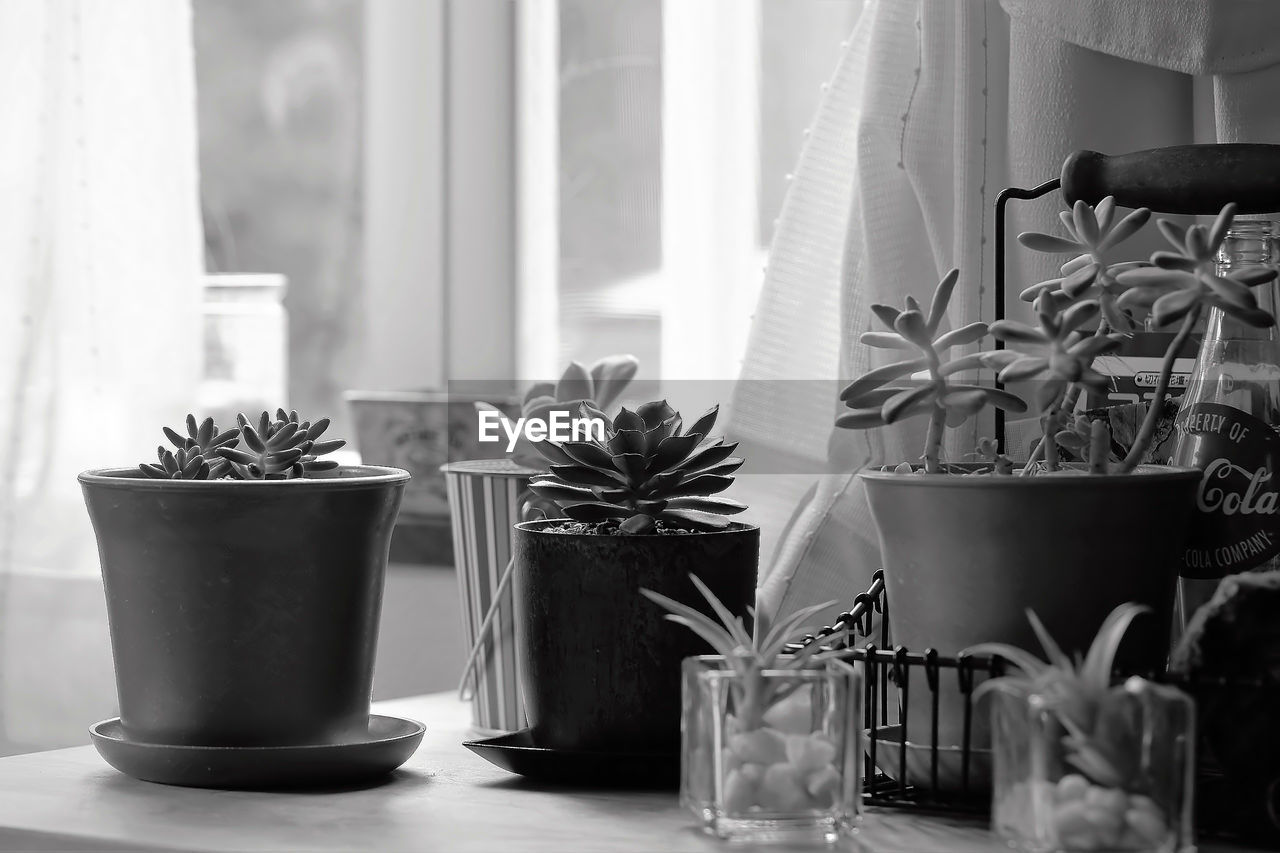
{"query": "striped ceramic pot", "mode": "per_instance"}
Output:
(485, 500)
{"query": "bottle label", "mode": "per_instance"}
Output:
(1237, 526)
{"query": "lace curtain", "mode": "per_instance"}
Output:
(100, 265)
(934, 108)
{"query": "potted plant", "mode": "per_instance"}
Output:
(770, 742)
(967, 547)
(1081, 764)
(640, 509)
(486, 497)
(243, 575)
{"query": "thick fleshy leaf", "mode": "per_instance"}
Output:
(575, 384)
(586, 453)
(1100, 659)
(553, 453)
(1143, 297)
(705, 423)
(973, 361)
(999, 359)
(1115, 316)
(1253, 276)
(1173, 306)
(962, 336)
(1104, 212)
(1049, 393)
(911, 326)
(627, 419)
(709, 454)
(1086, 223)
(562, 493)
(727, 466)
(638, 524)
(610, 376)
(672, 450)
(1068, 222)
(1125, 228)
(1025, 367)
(877, 397)
(1256, 317)
(1173, 232)
(861, 419)
(1037, 242)
(898, 404)
(626, 441)
(721, 506)
(252, 439)
(880, 375)
(1079, 314)
(595, 512)
(1173, 261)
(235, 455)
(1015, 332)
(887, 314)
(1095, 345)
(885, 340)
(697, 520)
(998, 397)
(1080, 280)
(1221, 225)
(655, 436)
(1076, 263)
(539, 389)
(582, 475)
(634, 466)
(941, 299)
(964, 402)
(702, 484)
(1030, 293)
(1198, 243)
(655, 413)
(1231, 291)
(1155, 277)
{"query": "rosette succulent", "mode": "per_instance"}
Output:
(646, 474)
(275, 449)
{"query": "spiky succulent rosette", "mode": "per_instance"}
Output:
(1075, 692)
(280, 449)
(196, 455)
(646, 470)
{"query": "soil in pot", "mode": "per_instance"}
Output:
(244, 613)
(600, 663)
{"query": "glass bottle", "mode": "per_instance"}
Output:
(1227, 427)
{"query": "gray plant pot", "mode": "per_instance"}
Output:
(965, 557)
(244, 613)
(599, 662)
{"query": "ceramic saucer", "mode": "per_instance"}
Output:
(390, 743)
(516, 752)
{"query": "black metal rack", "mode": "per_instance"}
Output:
(1225, 807)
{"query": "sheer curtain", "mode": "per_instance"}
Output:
(934, 108)
(100, 265)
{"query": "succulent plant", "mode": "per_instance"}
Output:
(1093, 231)
(1077, 318)
(1074, 692)
(945, 401)
(196, 455)
(597, 386)
(644, 471)
(277, 449)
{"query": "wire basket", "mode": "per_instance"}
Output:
(1226, 807)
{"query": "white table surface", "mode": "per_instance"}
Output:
(444, 799)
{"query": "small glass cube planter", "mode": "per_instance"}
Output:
(772, 755)
(1127, 786)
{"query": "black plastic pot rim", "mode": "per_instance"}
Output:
(536, 527)
(337, 479)
(1143, 475)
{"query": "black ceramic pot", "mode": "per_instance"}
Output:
(599, 663)
(244, 613)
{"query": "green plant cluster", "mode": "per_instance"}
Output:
(279, 448)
